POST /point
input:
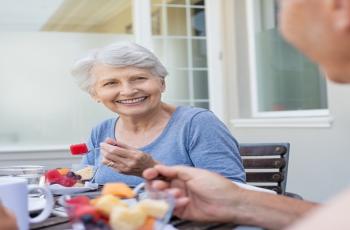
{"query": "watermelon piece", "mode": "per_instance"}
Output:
(79, 149)
(67, 181)
(53, 176)
(78, 200)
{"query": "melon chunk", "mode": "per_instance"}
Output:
(120, 190)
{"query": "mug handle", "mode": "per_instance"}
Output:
(46, 212)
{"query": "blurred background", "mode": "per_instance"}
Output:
(224, 55)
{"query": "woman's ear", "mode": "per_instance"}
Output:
(94, 96)
(163, 85)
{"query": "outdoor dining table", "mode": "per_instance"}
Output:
(62, 223)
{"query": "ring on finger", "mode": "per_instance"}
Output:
(110, 164)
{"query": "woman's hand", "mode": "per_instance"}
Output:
(125, 159)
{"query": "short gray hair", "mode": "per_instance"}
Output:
(126, 54)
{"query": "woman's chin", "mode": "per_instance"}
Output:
(134, 110)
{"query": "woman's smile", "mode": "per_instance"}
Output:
(132, 101)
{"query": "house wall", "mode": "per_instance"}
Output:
(319, 157)
(42, 109)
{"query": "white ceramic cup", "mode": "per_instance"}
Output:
(14, 196)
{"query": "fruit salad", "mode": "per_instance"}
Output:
(110, 211)
(68, 178)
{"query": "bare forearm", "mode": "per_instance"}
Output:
(270, 211)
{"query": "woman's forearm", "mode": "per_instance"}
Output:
(270, 211)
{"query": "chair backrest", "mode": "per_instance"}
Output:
(266, 164)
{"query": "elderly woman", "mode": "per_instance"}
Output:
(129, 80)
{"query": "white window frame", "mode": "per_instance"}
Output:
(189, 38)
(253, 76)
(216, 81)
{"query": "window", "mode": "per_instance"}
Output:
(283, 81)
(179, 39)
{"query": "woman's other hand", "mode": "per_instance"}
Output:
(125, 159)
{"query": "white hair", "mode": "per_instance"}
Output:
(118, 55)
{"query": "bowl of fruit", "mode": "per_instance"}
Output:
(120, 208)
(63, 181)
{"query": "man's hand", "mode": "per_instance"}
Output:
(7, 219)
(200, 195)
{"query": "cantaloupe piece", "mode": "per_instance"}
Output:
(154, 208)
(106, 203)
(120, 190)
(127, 218)
(149, 224)
(94, 201)
(63, 171)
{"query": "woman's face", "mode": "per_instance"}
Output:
(127, 91)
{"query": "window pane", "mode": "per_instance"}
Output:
(158, 49)
(197, 2)
(178, 2)
(177, 86)
(286, 80)
(200, 84)
(199, 49)
(198, 22)
(176, 21)
(176, 53)
(157, 18)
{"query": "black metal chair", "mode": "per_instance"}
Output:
(266, 165)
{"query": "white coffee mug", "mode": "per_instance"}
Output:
(14, 196)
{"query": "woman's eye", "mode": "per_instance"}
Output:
(140, 78)
(109, 83)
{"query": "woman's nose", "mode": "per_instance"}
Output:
(128, 89)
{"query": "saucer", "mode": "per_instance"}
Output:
(57, 189)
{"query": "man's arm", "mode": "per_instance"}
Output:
(208, 197)
(268, 210)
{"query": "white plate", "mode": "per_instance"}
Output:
(36, 204)
(57, 189)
